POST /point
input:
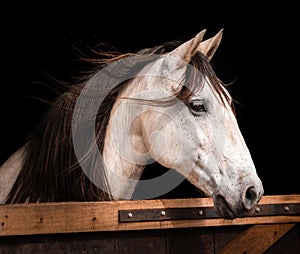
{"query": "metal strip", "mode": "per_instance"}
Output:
(189, 213)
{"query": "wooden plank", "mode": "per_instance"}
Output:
(68, 217)
(288, 243)
(224, 235)
(170, 241)
(257, 239)
(184, 240)
(99, 242)
(191, 241)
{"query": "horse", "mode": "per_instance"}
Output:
(162, 104)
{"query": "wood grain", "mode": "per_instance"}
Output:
(71, 217)
(257, 239)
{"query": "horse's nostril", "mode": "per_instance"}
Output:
(250, 199)
(251, 194)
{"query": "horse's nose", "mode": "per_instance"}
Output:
(251, 197)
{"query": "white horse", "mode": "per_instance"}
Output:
(162, 104)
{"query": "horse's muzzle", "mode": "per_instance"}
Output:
(244, 206)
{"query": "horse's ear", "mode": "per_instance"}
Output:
(186, 50)
(210, 46)
(175, 62)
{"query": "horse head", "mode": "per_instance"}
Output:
(195, 132)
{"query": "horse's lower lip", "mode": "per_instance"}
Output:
(224, 209)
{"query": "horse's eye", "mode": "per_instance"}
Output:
(197, 107)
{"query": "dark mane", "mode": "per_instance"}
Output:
(51, 171)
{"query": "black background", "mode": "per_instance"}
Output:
(259, 51)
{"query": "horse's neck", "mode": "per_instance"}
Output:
(9, 172)
(124, 152)
(122, 173)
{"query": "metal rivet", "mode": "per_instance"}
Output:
(257, 209)
(286, 208)
(163, 213)
(200, 212)
(130, 215)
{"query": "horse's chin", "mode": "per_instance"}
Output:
(223, 209)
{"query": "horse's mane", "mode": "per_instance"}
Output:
(51, 171)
